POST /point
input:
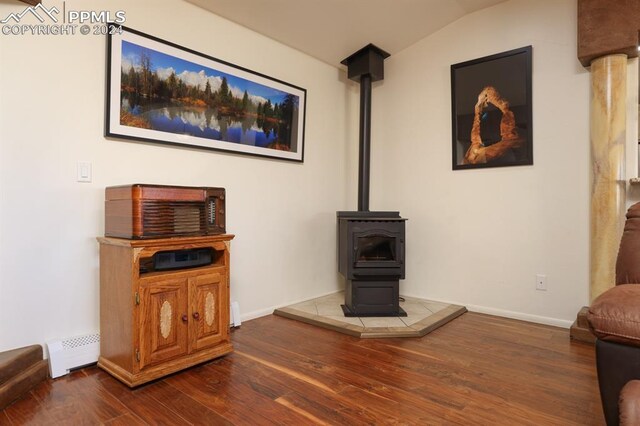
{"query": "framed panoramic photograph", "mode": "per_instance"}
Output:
(160, 92)
(491, 111)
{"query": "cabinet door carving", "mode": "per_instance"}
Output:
(208, 296)
(163, 322)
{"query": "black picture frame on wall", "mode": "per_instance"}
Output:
(491, 111)
(161, 92)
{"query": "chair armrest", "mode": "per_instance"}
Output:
(629, 404)
(615, 315)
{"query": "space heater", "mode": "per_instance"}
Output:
(71, 353)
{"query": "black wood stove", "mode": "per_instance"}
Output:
(371, 246)
(371, 257)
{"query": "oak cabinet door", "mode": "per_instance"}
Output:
(163, 319)
(208, 298)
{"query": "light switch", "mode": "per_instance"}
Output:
(84, 171)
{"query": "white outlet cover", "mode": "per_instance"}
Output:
(541, 282)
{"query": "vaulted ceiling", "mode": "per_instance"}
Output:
(331, 30)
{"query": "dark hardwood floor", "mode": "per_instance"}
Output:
(478, 369)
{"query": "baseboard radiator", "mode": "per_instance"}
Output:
(235, 320)
(73, 352)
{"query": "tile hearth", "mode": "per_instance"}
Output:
(423, 316)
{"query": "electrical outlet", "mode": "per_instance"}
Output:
(541, 282)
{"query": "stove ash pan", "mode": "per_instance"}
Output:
(371, 245)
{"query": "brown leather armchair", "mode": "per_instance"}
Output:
(614, 318)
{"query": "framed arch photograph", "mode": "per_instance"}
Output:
(491, 111)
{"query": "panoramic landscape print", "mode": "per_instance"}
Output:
(175, 97)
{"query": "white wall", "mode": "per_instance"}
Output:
(479, 237)
(475, 237)
(52, 115)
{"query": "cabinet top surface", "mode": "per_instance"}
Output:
(165, 241)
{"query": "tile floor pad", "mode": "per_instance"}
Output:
(423, 316)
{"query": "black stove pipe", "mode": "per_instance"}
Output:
(365, 66)
(365, 143)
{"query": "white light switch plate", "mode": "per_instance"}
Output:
(84, 171)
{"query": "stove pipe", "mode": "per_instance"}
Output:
(365, 66)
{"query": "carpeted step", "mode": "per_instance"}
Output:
(20, 370)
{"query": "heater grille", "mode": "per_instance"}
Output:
(76, 342)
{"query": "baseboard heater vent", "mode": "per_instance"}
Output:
(235, 315)
(73, 352)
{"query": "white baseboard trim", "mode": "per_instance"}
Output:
(507, 314)
(472, 308)
(520, 316)
(268, 311)
(257, 314)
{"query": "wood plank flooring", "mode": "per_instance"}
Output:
(478, 369)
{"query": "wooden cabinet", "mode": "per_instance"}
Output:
(157, 322)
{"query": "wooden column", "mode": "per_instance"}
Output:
(608, 138)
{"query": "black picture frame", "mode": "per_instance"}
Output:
(491, 111)
(161, 92)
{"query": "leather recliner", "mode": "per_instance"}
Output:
(614, 318)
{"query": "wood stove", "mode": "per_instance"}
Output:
(371, 257)
(371, 246)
